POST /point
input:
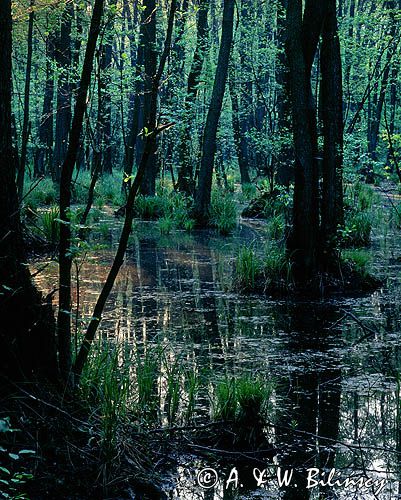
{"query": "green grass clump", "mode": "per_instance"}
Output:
(276, 227)
(276, 265)
(48, 225)
(165, 225)
(149, 207)
(248, 268)
(359, 260)
(223, 213)
(357, 228)
(240, 399)
(109, 192)
(43, 193)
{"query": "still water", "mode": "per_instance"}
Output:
(335, 363)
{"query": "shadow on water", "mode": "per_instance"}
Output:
(336, 399)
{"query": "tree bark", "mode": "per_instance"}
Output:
(332, 114)
(185, 181)
(148, 184)
(149, 147)
(25, 126)
(43, 156)
(27, 343)
(64, 86)
(65, 259)
(302, 39)
(203, 193)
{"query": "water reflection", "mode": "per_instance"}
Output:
(337, 400)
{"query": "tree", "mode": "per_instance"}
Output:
(63, 59)
(27, 94)
(204, 190)
(27, 343)
(185, 182)
(310, 244)
(65, 257)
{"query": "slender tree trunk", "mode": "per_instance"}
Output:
(43, 156)
(149, 147)
(27, 346)
(203, 193)
(104, 121)
(148, 185)
(25, 126)
(63, 106)
(239, 138)
(185, 181)
(332, 114)
(65, 259)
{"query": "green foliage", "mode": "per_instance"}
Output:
(276, 227)
(276, 265)
(241, 399)
(359, 260)
(223, 212)
(13, 474)
(42, 193)
(48, 225)
(165, 225)
(248, 268)
(357, 229)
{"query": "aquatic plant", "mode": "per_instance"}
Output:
(359, 260)
(248, 268)
(40, 193)
(357, 229)
(165, 225)
(223, 212)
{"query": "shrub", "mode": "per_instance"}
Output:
(48, 225)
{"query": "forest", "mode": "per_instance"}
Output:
(200, 249)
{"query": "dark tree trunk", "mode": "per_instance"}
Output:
(203, 193)
(43, 156)
(185, 182)
(135, 97)
(302, 39)
(65, 259)
(148, 185)
(27, 344)
(377, 108)
(63, 106)
(332, 114)
(285, 160)
(104, 119)
(239, 137)
(149, 148)
(25, 126)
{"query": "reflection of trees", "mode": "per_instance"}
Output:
(312, 394)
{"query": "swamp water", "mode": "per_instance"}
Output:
(335, 402)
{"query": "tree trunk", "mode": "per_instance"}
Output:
(332, 114)
(63, 106)
(203, 193)
(65, 259)
(302, 39)
(43, 156)
(185, 182)
(149, 148)
(239, 138)
(104, 120)
(148, 185)
(27, 344)
(25, 126)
